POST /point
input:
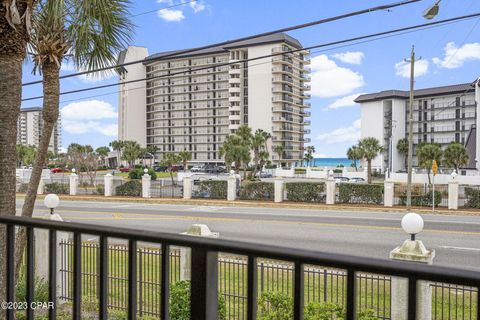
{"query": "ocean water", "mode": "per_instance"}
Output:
(331, 162)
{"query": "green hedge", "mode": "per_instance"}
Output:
(300, 171)
(360, 193)
(130, 188)
(305, 191)
(57, 188)
(473, 197)
(138, 173)
(180, 302)
(213, 189)
(422, 199)
(100, 189)
(257, 191)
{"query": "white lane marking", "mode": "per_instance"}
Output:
(460, 248)
(206, 208)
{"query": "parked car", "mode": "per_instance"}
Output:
(197, 169)
(124, 169)
(56, 170)
(160, 168)
(341, 179)
(263, 175)
(357, 180)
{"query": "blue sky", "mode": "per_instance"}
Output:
(450, 54)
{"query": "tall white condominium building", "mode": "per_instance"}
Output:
(441, 115)
(30, 128)
(193, 101)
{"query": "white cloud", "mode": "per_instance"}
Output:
(402, 69)
(330, 80)
(197, 6)
(86, 117)
(343, 134)
(455, 56)
(344, 102)
(352, 57)
(88, 110)
(69, 67)
(171, 15)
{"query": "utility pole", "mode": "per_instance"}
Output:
(410, 129)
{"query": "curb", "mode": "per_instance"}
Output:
(261, 204)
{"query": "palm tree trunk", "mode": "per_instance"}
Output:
(51, 92)
(10, 100)
(369, 171)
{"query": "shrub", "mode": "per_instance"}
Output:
(100, 189)
(23, 188)
(473, 197)
(214, 189)
(323, 311)
(130, 188)
(360, 193)
(305, 191)
(275, 306)
(138, 173)
(300, 171)
(422, 199)
(57, 188)
(257, 191)
(180, 302)
(337, 170)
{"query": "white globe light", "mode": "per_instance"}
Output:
(330, 172)
(412, 223)
(74, 170)
(51, 201)
(454, 174)
(145, 170)
(232, 172)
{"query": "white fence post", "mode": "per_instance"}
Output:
(453, 192)
(331, 188)
(279, 189)
(232, 187)
(41, 186)
(108, 182)
(388, 193)
(146, 184)
(187, 188)
(73, 184)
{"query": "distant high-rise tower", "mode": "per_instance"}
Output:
(30, 128)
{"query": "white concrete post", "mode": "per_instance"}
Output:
(331, 188)
(146, 183)
(195, 230)
(279, 189)
(108, 182)
(41, 186)
(388, 194)
(411, 251)
(42, 266)
(73, 184)
(187, 188)
(232, 188)
(453, 192)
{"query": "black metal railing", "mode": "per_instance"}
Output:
(204, 266)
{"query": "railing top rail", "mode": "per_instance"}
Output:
(354, 263)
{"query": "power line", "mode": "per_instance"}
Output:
(261, 63)
(296, 27)
(466, 17)
(172, 6)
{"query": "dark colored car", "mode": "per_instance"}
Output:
(56, 170)
(160, 168)
(124, 169)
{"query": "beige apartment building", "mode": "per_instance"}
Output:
(192, 101)
(30, 128)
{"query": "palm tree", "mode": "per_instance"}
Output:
(245, 133)
(354, 154)
(426, 153)
(455, 156)
(169, 161)
(259, 148)
(369, 149)
(102, 152)
(117, 146)
(131, 151)
(279, 149)
(152, 150)
(234, 150)
(310, 150)
(402, 148)
(184, 157)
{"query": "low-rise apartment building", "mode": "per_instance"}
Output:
(192, 101)
(440, 115)
(30, 128)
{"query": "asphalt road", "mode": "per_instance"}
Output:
(456, 239)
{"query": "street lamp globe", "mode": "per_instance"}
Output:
(145, 170)
(432, 11)
(74, 170)
(454, 174)
(412, 223)
(51, 201)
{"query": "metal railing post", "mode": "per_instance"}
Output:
(204, 284)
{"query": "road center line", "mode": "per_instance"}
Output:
(460, 248)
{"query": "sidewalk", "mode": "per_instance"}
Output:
(261, 204)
